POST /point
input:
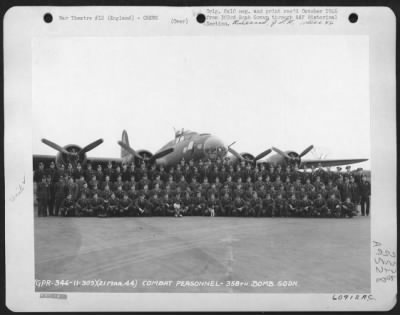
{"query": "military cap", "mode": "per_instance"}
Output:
(348, 167)
(338, 168)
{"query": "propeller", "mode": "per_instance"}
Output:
(297, 157)
(263, 154)
(130, 150)
(55, 146)
(235, 154)
(240, 157)
(161, 154)
(284, 154)
(90, 146)
(73, 156)
(305, 151)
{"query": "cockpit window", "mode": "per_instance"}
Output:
(178, 139)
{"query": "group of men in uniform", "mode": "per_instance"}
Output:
(206, 188)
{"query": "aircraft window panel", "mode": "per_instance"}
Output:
(190, 147)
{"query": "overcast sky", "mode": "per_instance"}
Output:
(261, 91)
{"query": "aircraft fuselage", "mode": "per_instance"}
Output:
(193, 146)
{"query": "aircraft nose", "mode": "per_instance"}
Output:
(214, 147)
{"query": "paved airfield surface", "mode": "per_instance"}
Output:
(312, 255)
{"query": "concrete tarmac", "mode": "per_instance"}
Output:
(219, 254)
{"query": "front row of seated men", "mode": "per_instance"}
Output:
(199, 206)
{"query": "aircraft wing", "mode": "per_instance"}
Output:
(328, 163)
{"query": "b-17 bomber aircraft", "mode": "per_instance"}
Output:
(186, 145)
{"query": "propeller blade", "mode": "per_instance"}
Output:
(91, 146)
(263, 154)
(129, 149)
(281, 153)
(306, 151)
(55, 146)
(234, 153)
(161, 154)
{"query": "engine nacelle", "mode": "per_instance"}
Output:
(247, 156)
(62, 158)
(145, 154)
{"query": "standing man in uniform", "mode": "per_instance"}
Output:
(51, 185)
(255, 208)
(226, 204)
(59, 195)
(365, 194)
(42, 197)
(268, 206)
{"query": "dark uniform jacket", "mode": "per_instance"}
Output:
(239, 203)
(280, 202)
(142, 204)
(59, 190)
(267, 203)
(68, 203)
(365, 189)
(42, 191)
(226, 201)
(125, 203)
(348, 206)
(201, 201)
(332, 203)
(38, 175)
(255, 203)
(83, 203)
(133, 194)
(212, 203)
(113, 202)
(86, 191)
(96, 202)
(355, 192)
(319, 203)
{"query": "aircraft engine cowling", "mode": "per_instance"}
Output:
(145, 154)
(62, 158)
(296, 159)
(247, 156)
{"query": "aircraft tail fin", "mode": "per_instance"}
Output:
(125, 140)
